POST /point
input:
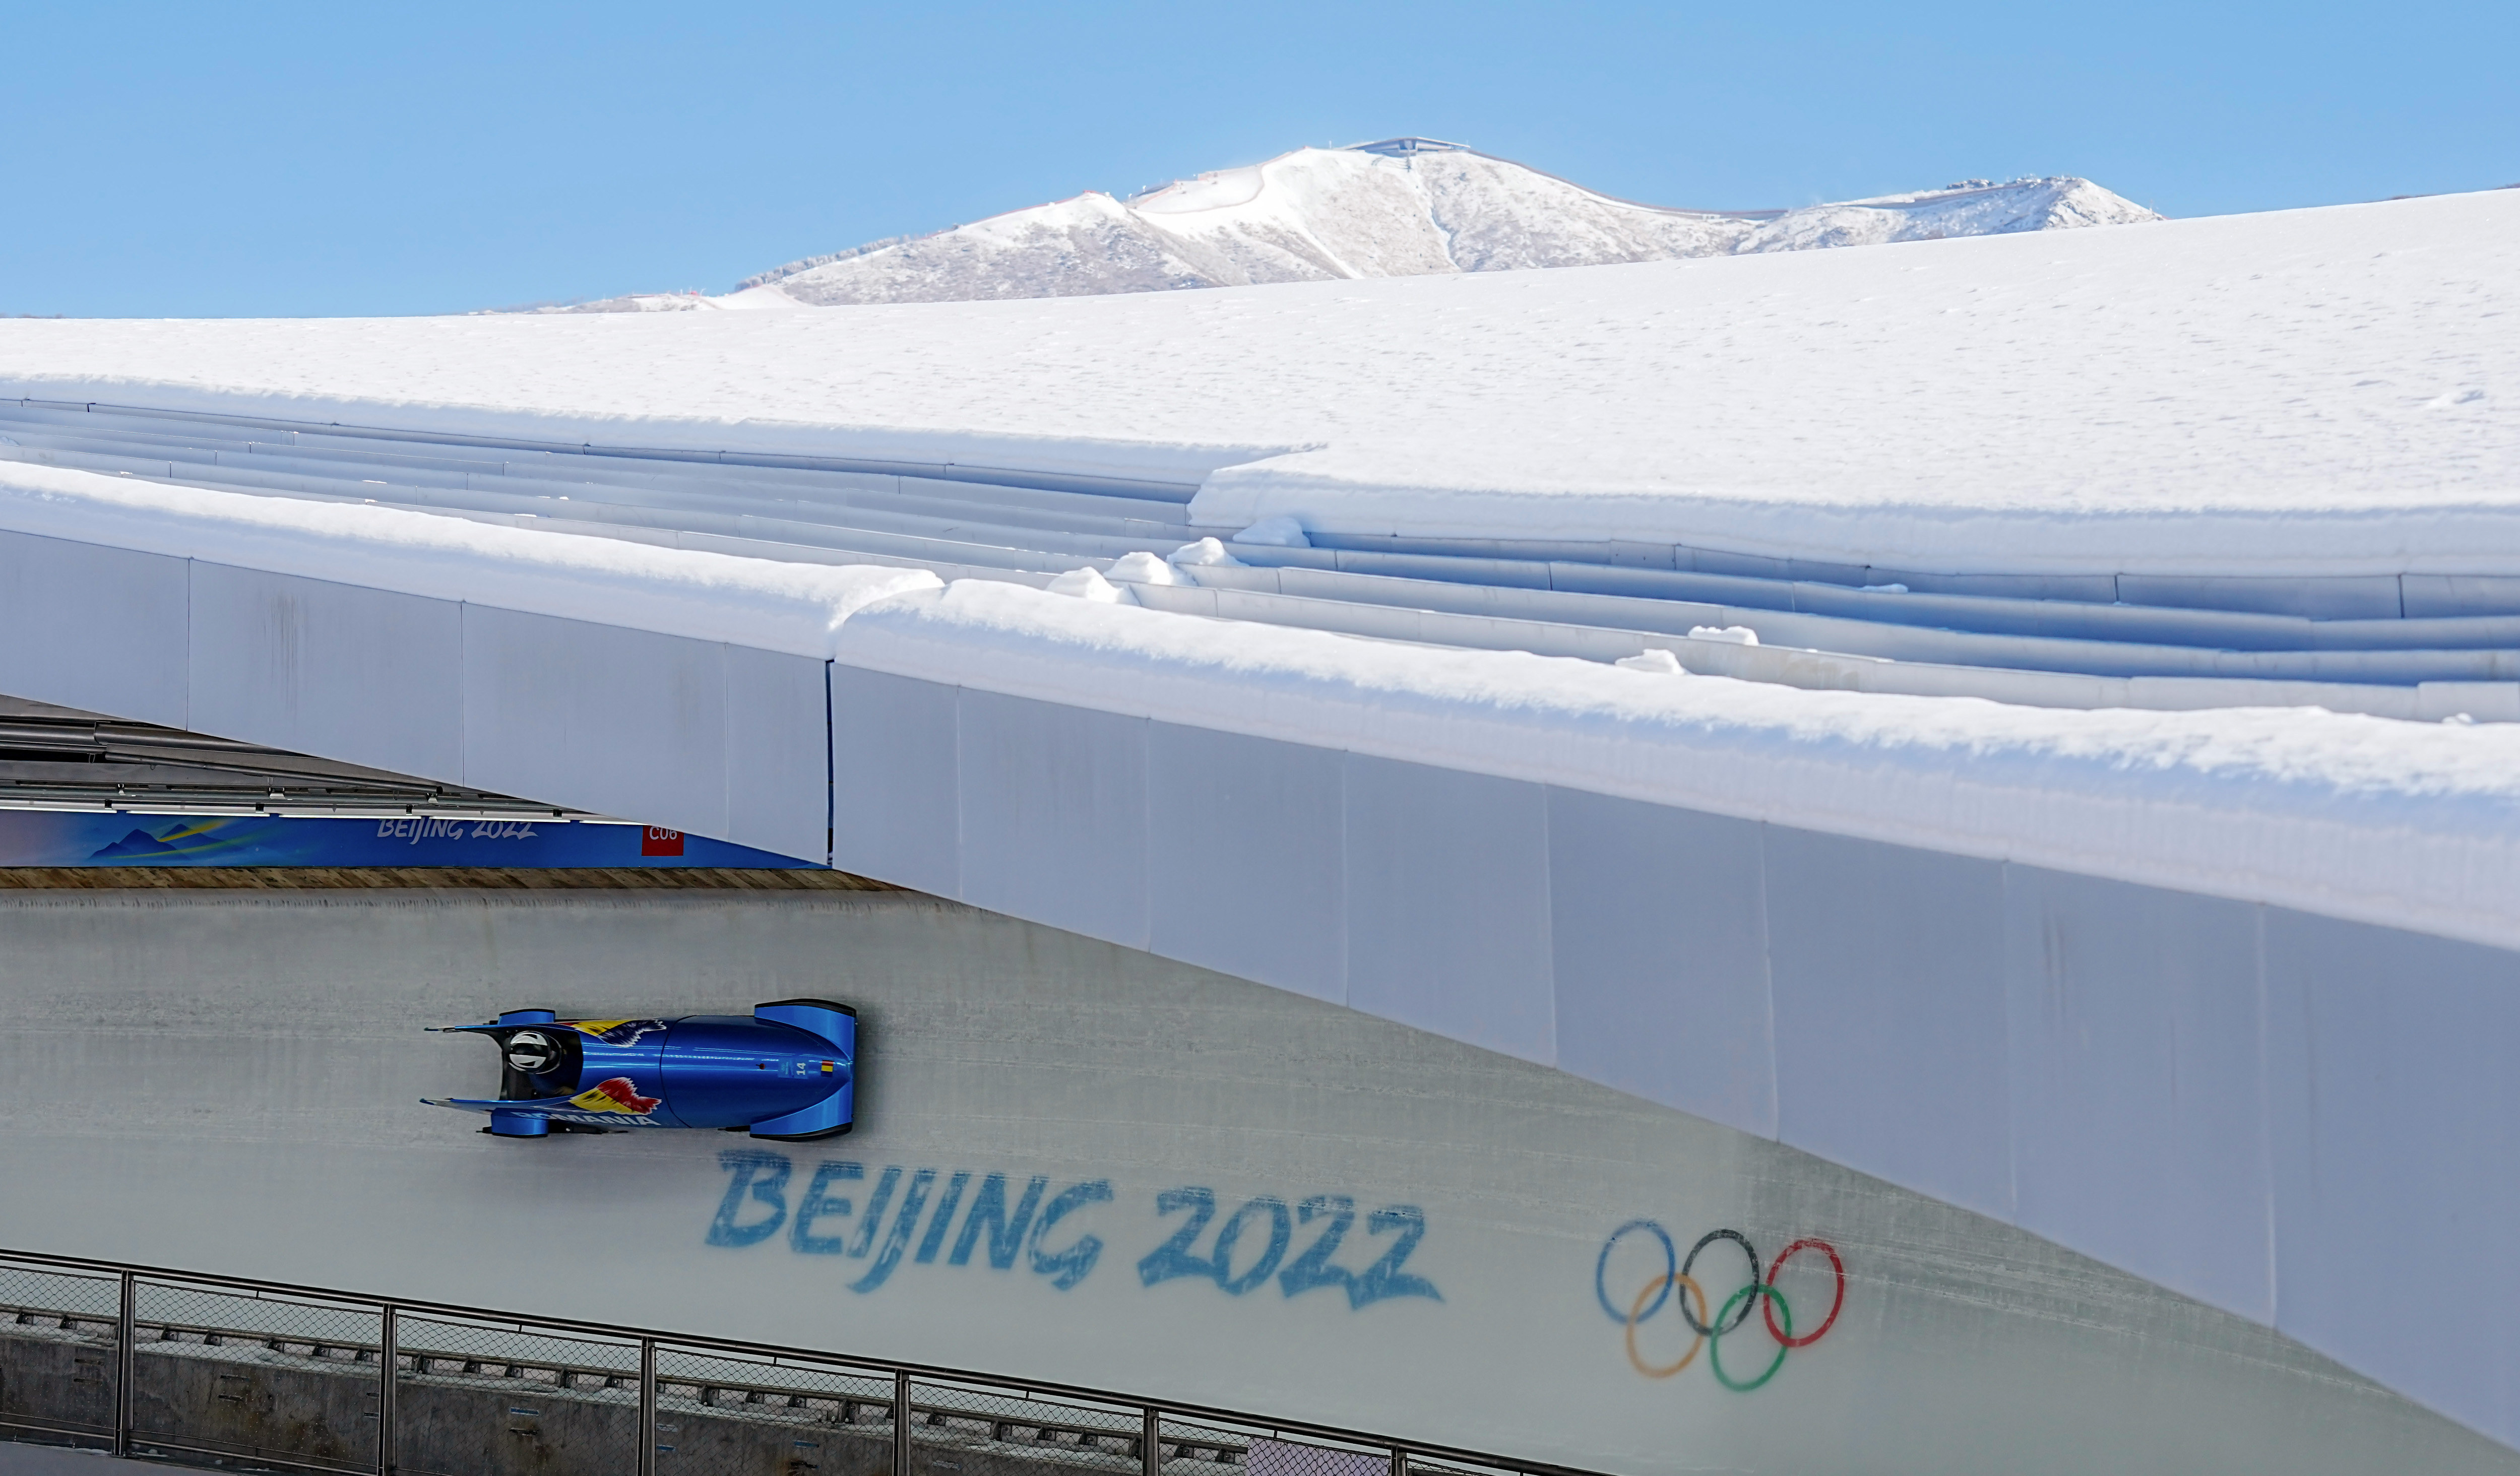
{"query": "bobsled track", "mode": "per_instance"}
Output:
(1079, 1165)
(1868, 861)
(2197, 1041)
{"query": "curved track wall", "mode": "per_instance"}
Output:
(230, 1083)
(2213, 1030)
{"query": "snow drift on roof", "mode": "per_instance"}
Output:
(792, 608)
(2330, 391)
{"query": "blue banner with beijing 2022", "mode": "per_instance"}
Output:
(79, 838)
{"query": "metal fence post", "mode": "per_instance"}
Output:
(388, 1359)
(1150, 1449)
(126, 1334)
(1399, 1461)
(901, 1424)
(646, 1407)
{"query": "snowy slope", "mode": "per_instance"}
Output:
(1321, 214)
(756, 603)
(2328, 391)
(1972, 207)
(1404, 209)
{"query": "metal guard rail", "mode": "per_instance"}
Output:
(1146, 1440)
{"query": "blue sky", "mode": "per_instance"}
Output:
(185, 159)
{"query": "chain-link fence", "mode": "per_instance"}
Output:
(250, 1378)
(977, 1430)
(231, 1375)
(1186, 1449)
(63, 1338)
(1192, 1447)
(478, 1397)
(727, 1415)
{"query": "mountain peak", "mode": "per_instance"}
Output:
(1410, 148)
(1390, 207)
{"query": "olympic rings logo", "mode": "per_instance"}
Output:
(1711, 1323)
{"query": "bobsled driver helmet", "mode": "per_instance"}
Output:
(531, 1052)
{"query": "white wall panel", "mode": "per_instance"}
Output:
(95, 628)
(2138, 1125)
(1448, 904)
(1659, 936)
(625, 722)
(778, 757)
(359, 674)
(1053, 810)
(895, 787)
(2396, 1115)
(1246, 868)
(1887, 969)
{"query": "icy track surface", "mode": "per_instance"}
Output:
(2331, 391)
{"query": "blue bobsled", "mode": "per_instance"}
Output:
(788, 1071)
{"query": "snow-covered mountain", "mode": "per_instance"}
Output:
(1396, 209)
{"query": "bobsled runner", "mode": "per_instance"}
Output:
(788, 1071)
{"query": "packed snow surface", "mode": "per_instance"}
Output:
(2328, 391)
(1326, 214)
(792, 608)
(2400, 824)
